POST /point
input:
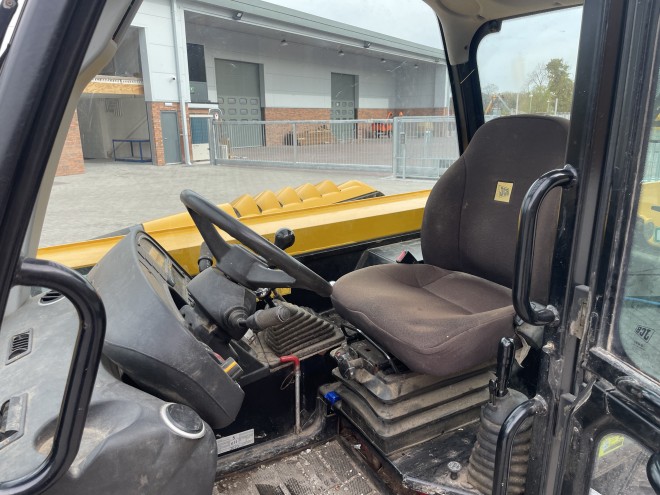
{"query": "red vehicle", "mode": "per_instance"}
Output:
(380, 129)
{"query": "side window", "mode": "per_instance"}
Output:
(620, 467)
(529, 66)
(636, 335)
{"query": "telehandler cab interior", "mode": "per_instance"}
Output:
(506, 343)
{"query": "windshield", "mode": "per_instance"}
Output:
(233, 100)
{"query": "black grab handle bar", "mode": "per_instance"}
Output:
(522, 280)
(653, 471)
(82, 373)
(506, 437)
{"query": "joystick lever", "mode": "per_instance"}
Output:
(505, 355)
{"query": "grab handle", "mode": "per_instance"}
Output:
(522, 280)
(82, 373)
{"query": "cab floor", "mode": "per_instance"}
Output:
(322, 469)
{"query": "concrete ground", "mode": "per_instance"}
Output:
(110, 196)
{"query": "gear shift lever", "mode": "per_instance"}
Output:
(493, 414)
(505, 354)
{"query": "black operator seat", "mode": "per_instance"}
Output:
(446, 316)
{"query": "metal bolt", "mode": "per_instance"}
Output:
(454, 468)
(8, 4)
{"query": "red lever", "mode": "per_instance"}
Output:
(291, 359)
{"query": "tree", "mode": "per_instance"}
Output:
(538, 78)
(548, 84)
(560, 84)
(487, 92)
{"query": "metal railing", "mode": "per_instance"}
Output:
(131, 150)
(424, 147)
(329, 144)
(406, 146)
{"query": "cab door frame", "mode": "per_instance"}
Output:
(594, 391)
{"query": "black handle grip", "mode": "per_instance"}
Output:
(653, 472)
(522, 280)
(506, 438)
(82, 374)
(505, 355)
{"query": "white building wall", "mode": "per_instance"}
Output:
(423, 87)
(295, 76)
(155, 18)
(298, 76)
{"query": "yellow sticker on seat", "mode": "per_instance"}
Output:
(503, 191)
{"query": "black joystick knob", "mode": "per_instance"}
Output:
(505, 356)
(284, 238)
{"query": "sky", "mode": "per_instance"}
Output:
(505, 59)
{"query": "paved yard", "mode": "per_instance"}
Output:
(111, 196)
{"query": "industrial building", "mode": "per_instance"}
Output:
(254, 61)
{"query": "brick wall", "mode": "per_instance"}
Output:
(372, 113)
(296, 113)
(71, 161)
(413, 112)
(278, 134)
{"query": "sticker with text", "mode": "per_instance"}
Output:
(235, 441)
(503, 192)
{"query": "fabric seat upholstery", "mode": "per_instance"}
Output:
(446, 316)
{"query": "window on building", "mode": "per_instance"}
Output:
(126, 62)
(197, 73)
(529, 66)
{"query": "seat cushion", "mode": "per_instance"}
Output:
(436, 321)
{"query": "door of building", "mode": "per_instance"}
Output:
(239, 97)
(169, 122)
(199, 135)
(343, 89)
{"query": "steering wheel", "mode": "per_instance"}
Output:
(241, 265)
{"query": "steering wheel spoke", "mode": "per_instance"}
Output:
(251, 271)
(241, 265)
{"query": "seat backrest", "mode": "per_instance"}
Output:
(471, 218)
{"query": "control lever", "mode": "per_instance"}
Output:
(284, 238)
(205, 259)
(494, 417)
(505, 355)
(266, 318)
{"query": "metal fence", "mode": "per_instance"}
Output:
(349, 144)
(407, 147)
(404, 146)
(424, 147)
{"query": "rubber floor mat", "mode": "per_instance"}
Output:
(323, 469)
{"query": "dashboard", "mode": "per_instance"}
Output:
(143, 289)
(162, 268)
(126, 430)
